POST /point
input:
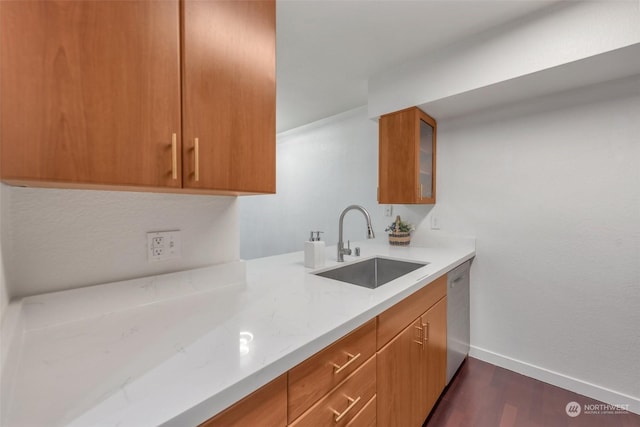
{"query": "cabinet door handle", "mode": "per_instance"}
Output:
(174, 156)
(352, 403)
(419, 340)
(337, 368)
(196, 159)
(426, 335)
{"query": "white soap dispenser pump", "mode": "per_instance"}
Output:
(314, 251)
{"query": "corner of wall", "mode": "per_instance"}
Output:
(4, 291)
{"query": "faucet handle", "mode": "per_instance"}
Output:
(347, 251)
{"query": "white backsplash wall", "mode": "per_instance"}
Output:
(59, 239)
(321, 169)
(551, 190)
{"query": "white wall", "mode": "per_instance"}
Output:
(549, 186)
(551, 190)
(321, 169)
(60, 239)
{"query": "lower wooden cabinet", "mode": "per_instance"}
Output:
(266, 406)
(342, 405)
(400, 374)
(322, 372)
(366, 417)
(411, 369)
(434, 323)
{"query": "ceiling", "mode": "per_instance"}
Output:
(327, 49)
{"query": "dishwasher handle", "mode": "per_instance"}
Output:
(455, 281)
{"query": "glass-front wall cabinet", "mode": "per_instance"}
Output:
(407, 157)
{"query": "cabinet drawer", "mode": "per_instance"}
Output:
(396, 318)
(344, 402)
(316, 376)
(366, 417)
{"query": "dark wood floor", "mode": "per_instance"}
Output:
(484, 395)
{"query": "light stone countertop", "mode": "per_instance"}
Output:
(176, 349)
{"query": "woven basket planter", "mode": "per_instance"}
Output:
(400, 238)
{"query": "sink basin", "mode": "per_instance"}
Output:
(373, 272)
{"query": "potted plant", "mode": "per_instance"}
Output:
(400, 232)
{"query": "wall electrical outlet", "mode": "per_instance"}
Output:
(388, 210)
(163, 245)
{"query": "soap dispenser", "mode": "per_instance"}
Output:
(314, 251)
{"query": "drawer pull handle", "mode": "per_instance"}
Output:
(338, 368)
(196, 150)
(174, 156)
(352, 403)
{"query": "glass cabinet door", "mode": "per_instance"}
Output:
(425, 162)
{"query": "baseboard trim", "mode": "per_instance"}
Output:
(557, 379)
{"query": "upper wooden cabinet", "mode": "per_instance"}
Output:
(407, 158)
(229, 95)
(90, 91)
(92, 95)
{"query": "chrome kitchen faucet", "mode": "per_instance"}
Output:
(370, 234)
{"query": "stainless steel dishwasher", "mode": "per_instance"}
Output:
(458, 319)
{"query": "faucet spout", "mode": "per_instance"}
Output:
(370, 234)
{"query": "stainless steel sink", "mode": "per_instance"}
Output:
(373, 272)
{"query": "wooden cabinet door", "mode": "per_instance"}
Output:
(434, 322)
(229, 95)
(397, 167)
(90, 91)
(400, 379)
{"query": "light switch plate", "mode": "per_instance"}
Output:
(435, 221)
(162, 245)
